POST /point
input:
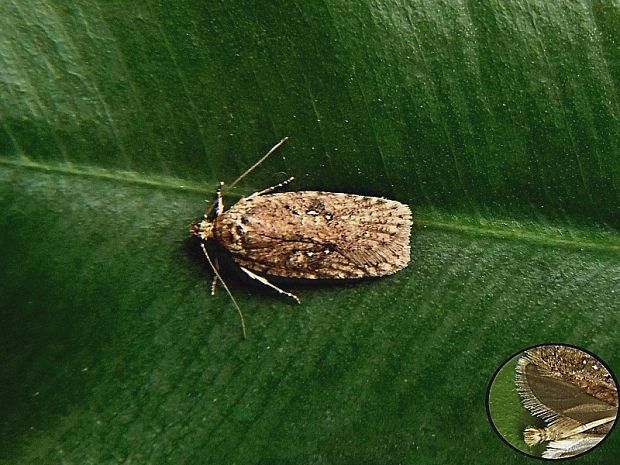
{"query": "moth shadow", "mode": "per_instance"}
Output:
(235, 277)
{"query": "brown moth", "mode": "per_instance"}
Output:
(573, 392)
(307, 234)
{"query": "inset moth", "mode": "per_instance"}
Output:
(573, 392)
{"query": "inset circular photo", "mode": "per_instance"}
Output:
(553, 401)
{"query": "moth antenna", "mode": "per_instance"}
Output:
(220, 201)
(263, 158)
(219, 277)
(218, 205)
(244, 174)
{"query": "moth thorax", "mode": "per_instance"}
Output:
(533, 436)
(203, 229)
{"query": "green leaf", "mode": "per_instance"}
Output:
(507, 412)
(498, 122)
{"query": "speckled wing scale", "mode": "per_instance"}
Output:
(316, 235)
(309, 235)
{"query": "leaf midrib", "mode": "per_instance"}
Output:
(549, 234)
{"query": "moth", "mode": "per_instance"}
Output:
(573, 392)
(307, 234)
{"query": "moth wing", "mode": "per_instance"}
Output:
(563, 405)
(319, 260)
(322, 235)
(369, 253)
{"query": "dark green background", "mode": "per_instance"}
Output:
(497, 121)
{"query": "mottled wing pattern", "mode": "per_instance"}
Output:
(317, 235)
(577, 367)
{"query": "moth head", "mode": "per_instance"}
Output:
(202, 229)
(533, 436)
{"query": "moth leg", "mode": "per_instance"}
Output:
(214, 285)
(264, 281)
(215, 278)
(220, 201)
(534, 436)
(270, 189)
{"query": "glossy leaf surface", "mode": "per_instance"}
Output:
(498, 122)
